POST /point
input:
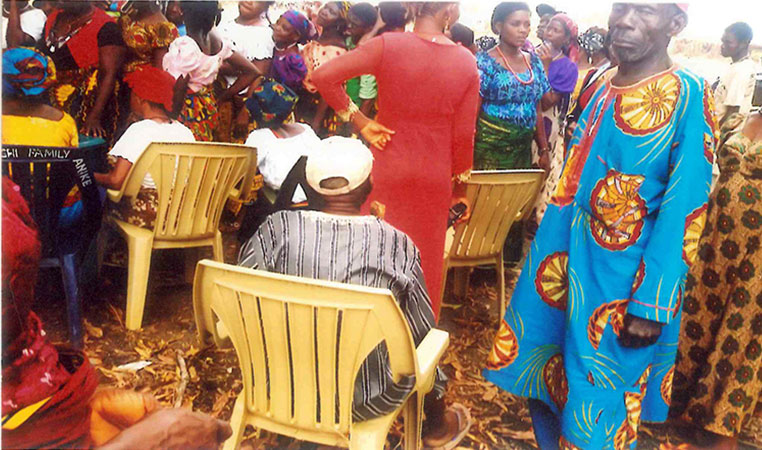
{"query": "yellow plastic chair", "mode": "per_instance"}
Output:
(300, 344)
(193, 181)
(498, 199)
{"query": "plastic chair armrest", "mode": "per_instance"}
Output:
(114, 195)
(429, 352)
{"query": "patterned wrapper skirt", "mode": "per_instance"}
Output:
(718, 377)
(75, 93)
(139, 210)
(200, 114)
(501, 145)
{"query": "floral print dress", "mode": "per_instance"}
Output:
(718, 377)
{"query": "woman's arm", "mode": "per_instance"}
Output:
(110, 59)
(263, 65)
(247, 73)
(550, 99)
(317, 121)
(114, 178)
(330, 77)
(15, 35)
(541, 138)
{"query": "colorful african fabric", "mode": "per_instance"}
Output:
(46, 390)
(500, 144)
(508, 115)
(504, 97)
(200, 114)
(315, 55)
(26, 72)
(302, 25)
(142, 39)
(288, 68)
(271, 104)
(77, 63)
(618, 237)
(718, 376)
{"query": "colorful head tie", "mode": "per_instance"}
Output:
(571, 27)
(26, 72)
(152, 84)
(304, 28)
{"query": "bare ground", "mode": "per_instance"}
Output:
(500, 419)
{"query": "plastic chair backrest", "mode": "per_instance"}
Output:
(193, 181)
(45, 176)
(498, 199)
(301, 342)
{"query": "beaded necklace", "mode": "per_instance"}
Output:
(515, 75)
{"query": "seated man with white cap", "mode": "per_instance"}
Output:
(338, 243)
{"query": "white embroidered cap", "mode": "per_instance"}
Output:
(339, 157)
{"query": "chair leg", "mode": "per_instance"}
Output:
(138, 268)
(71, 291)
(413, 421)
(236, 423)
(500, 269)
(190, 256)
(460, 282)
(445, 271)
(218, 249)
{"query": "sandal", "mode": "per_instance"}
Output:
(464, 425)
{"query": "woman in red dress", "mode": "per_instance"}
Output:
(428, 95)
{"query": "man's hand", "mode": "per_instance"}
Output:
(637, 332)
(175, 428)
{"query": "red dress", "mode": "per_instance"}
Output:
(428, 93)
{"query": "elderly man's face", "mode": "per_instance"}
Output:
(637, 30)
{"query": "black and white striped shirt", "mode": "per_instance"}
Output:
(361, 250)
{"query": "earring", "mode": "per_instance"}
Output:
(447, 24)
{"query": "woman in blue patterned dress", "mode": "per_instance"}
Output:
(512, 85)
(590, 335)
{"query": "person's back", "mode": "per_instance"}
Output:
(361, 250)
(419, 80)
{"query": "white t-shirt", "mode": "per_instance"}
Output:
(141, 134)
(254, 42)
(736, 87)
(32, 23)
(276, 157)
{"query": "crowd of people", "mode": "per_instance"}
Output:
(640, 296)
